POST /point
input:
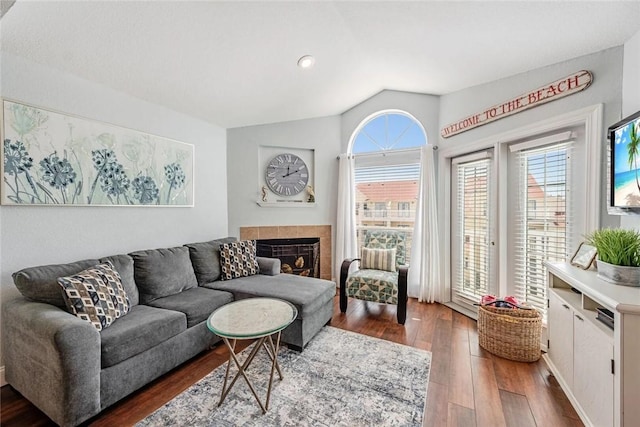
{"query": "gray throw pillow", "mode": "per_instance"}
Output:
(162, 272)
(40, 283)
(205, 257)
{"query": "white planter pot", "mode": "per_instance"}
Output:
(619, 275)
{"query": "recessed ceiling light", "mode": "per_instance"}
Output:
(306, 61)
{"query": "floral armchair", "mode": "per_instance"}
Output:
(382, 276)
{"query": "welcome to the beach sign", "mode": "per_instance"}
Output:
(559, 89)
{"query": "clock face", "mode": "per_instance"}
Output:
(287, 174)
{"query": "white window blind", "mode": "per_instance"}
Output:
(408, 172)
(472, 230)
(388, 194)
(542, 228)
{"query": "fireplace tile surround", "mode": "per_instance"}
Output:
(292, 231)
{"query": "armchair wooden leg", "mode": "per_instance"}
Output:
(343, 301)
(402, 294)
(402, 311)
(344, 272)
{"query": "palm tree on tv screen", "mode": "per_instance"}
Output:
(634, 150)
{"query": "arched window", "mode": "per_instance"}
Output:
(388, 130)
(386, 147)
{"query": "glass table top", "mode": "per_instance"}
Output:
(252, 318)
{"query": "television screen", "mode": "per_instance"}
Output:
(625, 165)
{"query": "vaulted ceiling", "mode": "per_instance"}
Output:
(234, 63)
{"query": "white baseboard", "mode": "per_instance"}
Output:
(3, 382)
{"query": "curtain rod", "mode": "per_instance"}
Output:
(384, 153)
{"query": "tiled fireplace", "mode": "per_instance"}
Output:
(322, 232)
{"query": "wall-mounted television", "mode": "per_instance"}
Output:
(624, 166)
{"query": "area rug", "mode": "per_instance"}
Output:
(340, 379)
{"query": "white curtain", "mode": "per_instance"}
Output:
(346, 240)
(424, 273)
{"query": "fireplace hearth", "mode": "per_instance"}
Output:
(300, 256)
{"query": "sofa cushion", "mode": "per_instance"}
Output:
(197, 303)
(124, 266)
(373, 285)
(308, 294)
(205, 257)
(40, 284)
(238, 259)
(96, 295)
(141, 329)
(162, 272)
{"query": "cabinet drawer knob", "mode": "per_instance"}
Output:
(565, 306)
(579, 318)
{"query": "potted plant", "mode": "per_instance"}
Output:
(618, 255)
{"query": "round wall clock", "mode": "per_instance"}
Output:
(287, 174)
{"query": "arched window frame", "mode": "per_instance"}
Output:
(375, 116)
(372, 214)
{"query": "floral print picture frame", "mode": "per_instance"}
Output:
(51, 158)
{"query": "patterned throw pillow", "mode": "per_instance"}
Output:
(96, 295)
(238, 259)
(378, 259)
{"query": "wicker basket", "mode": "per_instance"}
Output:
(510, 333)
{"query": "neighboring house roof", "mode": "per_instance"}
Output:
(534, 190)
(399, 191)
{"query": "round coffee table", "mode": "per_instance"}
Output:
(252, 318)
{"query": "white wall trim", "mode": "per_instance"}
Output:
(589, 117)
(3, 382)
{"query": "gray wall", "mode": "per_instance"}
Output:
(328, 136)
(606, 67)
(425, 108)
(243, 174)
(43, 235)
(631, 99)
(631, 76)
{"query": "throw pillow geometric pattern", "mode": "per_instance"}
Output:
(96, 295)
(238, 259)
(378, 259)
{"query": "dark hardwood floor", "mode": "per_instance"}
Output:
(467, 386)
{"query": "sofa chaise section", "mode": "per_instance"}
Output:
(312, 297)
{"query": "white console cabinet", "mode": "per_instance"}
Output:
(597, 367)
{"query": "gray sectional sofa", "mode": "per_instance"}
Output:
(72, 371)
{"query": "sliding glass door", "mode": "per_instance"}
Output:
(473, 214)
(542, 218)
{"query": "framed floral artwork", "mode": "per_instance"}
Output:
(51, 158)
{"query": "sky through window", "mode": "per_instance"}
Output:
(389, 131)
